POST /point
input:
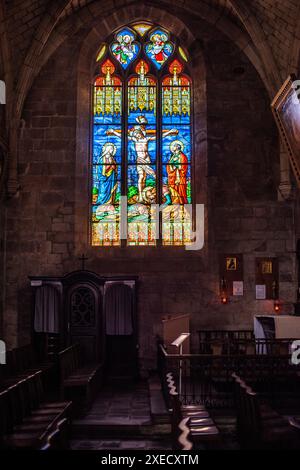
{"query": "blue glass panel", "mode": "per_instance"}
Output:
(107, 141)
(124, 49)
(159, 49)
(149, 116)
(176, 140)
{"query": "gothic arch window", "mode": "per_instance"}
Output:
(142, 140)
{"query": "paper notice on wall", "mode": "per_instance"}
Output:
(238, 288)
(261, 292)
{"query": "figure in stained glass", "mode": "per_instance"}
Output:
(125, 50)
(159, 49)
(141, 138)
(107, 175)
(177, 173)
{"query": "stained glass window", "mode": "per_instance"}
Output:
(142, 139)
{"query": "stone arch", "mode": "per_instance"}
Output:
(258, 38)
(53, 32)
(50, 37)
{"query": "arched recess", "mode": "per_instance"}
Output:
(85, 75)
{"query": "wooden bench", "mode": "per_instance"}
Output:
(77, 382)
(202, 429)
(258, 425)
(25, 418)
(21, 363)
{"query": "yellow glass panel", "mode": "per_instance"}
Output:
(101, 52)
(142, 28)
(183, 54)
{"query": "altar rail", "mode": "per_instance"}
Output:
(207, 379)
(231, 346)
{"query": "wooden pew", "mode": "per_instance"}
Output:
(202, 428)
(25, 418)
(258, 425)
(77, 382)
(21, 363)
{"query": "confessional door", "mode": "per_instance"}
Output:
(84, 302)
(121, 348)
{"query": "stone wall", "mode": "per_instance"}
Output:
(239, 188)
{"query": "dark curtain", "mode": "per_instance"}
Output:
(47, 302)
(119, 310)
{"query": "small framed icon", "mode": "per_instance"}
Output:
(231, 264)
(267, 267)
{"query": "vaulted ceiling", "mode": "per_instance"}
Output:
(269, 33)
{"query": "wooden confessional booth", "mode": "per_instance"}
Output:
(97, 312)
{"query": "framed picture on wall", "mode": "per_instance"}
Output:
(286, 110)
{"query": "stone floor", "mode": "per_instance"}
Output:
(120, 419)
(128, 405)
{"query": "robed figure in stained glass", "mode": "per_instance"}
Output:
(107, 175)
(177, 173)
(159, 49)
